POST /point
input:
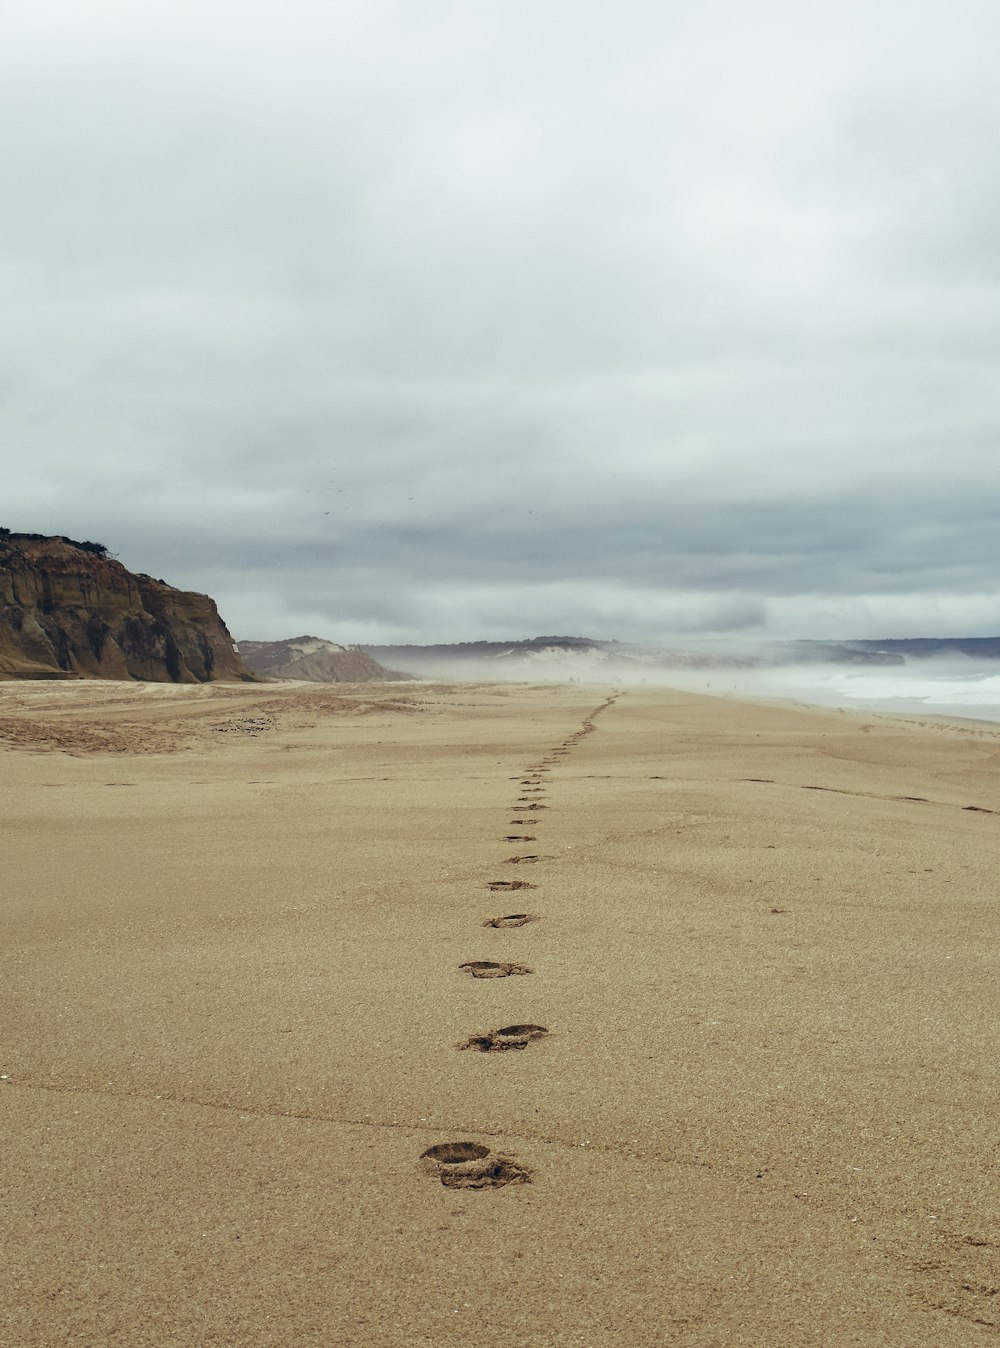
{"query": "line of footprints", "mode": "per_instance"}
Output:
(470, 1165)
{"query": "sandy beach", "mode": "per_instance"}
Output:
(763, 946)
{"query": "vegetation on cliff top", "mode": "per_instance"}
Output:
(96, 549)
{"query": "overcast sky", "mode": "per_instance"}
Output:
(437, 321)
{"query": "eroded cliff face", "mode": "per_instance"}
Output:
(313, 659)
(68, 611)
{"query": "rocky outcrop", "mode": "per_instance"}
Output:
(68, 610)
(313, 659)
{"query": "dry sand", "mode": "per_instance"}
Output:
(765, 951)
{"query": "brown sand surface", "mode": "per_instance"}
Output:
(766, 953)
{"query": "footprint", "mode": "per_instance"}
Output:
(519, 837)
(514, 861)
(455, 1153)
(508, 1037)
(510, 884)
(510, 920)
(493, 969)
(468, 1165)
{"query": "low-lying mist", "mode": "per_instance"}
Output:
(945, 685)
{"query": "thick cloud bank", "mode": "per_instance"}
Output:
(397, 322)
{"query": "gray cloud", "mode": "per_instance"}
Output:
(478, 321)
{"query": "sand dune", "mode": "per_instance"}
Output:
(742, 1088)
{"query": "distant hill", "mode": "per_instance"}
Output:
(885, 651)
(555, 658)
(313, 659)
(590, 659)
(832, 653)
(531, 657)
(921, 648)
(68, 609)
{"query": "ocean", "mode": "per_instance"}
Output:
(939, 686)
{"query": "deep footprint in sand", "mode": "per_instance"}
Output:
(509, 884)
(514, 861)
(493, 969)
(510, 920)
(469, 1165)
(519, 837)
(507, 1037)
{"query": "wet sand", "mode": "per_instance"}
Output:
(764, 947)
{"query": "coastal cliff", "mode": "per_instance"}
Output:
(69, 610)
(313, 659)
